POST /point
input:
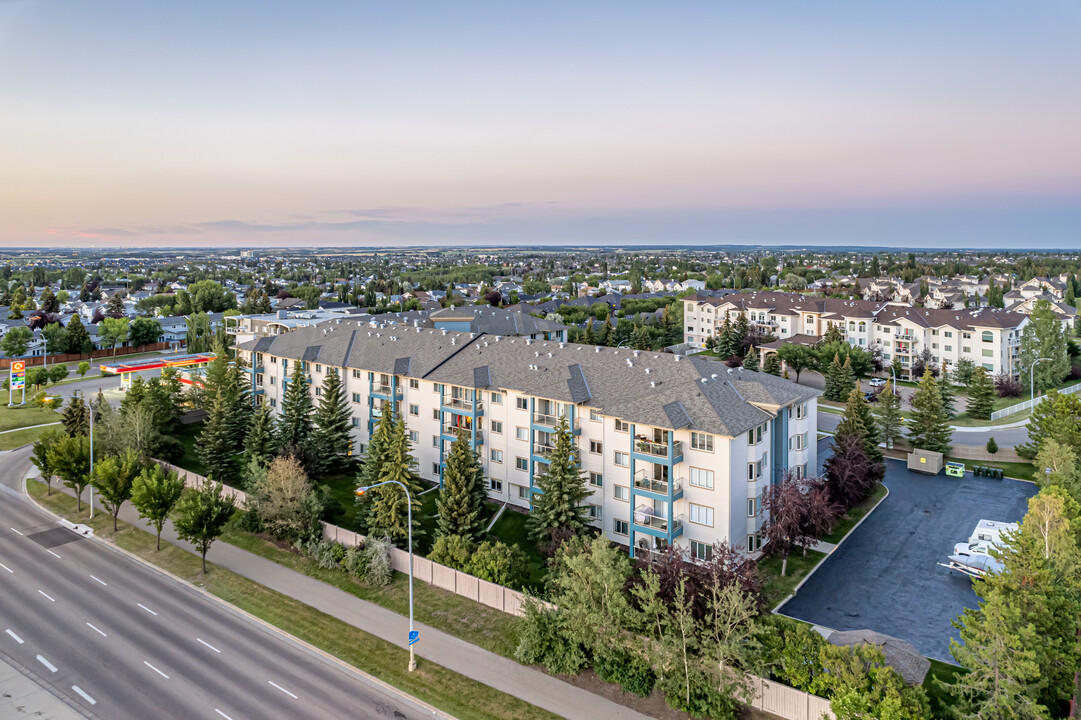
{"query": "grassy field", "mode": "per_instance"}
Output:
(187, 435)
(511, 529)
(20, 416)
(940, 701)
(1022, 471)
(432, 683)
(776, 588)
(18, 438)
(848, 521)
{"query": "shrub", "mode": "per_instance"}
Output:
(1007, 386)
(992, 446)
(498, 563)
(630, 671)
(454, 551)
(377, 559)
(545, 640)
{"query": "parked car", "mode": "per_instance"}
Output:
(870, 397)
(877, 382)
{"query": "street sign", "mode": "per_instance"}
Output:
(414, 636)
(18, 375)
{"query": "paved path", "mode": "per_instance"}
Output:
(21, 696)
(496, 671)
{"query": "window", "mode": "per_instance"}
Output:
(437, 388)
(595, 416)
(700, 514)
(596, 479)
(699, 477)
(702, 441)
(523, 492)
(273, 402)
(988, 352)
(754, 435)
(496, 485)
(522, 403)
(595, 512)
(497, 426)
(521, 463)
(496, 456)
(753, 543)
(752, 507)
(318, 391)
(356, 422)
(435, 414)
(522, 433)
(988, 336)
(414, 384)
(595, 447)
(948, 348)
(967, 349)
(934, 346)
(274, 360)
(620, 527)
(622, 459)
(949, 334)
(752, 472)
(497, 398)
(622, 426)
(273, 380)
(318, 368)
(414, 410)
(622, 493)
(414, 436)
(797, 442)
(435, 468)
(435, 441)
(966, 335)
(701, 550)
(988, 366)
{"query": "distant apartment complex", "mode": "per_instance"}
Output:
(677, 451)
(989, 337)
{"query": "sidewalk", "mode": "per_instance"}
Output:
(532, 686)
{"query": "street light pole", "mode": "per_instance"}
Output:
(90, 407)
(409, 519)
(1032, 380)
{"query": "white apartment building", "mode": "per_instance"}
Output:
(989, 337)
(676, 451)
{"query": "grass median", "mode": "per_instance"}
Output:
(776, 588)
(853, 515)
(443, 688)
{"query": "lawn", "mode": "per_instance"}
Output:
(511, 529)
(18, 438)
(848, 521)
(1021, 471)
(776, 588)
(941, 702)
(188, 435)
(453, 693)
(21, 416)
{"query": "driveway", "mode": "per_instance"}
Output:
(884, 576)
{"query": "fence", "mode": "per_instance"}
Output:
(979, 452)
(1029, 404)
(788, 702)
(5, 363)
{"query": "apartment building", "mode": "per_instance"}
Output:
(676, 451)
(989, 337)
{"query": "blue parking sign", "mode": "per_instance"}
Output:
(414, 636)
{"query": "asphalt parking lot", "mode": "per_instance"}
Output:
(884, 577)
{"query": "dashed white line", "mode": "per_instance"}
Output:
(16, 531)
(2, 565)
(144, 607)
(222, 714)
(43, 593)
(159, 672)
(46, 663)
(84, 696)
(53, 554)
(100, 581)
(15, 637)
(282, 689)
(99, 632)
(208, 645)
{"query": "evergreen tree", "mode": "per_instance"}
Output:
(887, 412)
(76, 418)
(725, 338)
(741, 329)
(947, 391)
(459, 504)
(559, 506)
(373, 463)
(1044, 337)
(49, 303)
(236, 397)
(981, 395)
(261, 443)
(856, 407)
(641, 338)
(750, 362)
(847, 381)
(215, 447)
(833, 379)
(115, 308)
(388, 516)
(295, 426)
(773, 364)
(833, 334)
(78, 338)
(332, 418)
(928, 424)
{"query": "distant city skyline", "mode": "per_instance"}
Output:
(246, 124)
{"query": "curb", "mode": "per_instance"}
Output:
(341, 664)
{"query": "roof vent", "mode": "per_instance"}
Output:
(705, 380)
(444, 331)
(497, 338)
(549, 354)
(561, 345)
(677, 358)
(529, 341)
(452, 340)
(485, 344)
(651, 383)
(536, 353)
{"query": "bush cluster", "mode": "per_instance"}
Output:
(370, 563)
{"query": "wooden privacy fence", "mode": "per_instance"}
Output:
(5, 363)
(788, 702)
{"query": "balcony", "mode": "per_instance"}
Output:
(385, 390)
(543, 453)
(658, 526)
(450, 432)
(657, 452)
(658, 488)
(549, 423)
(462, 406)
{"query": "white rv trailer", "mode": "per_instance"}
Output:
(973, 558)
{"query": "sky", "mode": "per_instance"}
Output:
(260, 124)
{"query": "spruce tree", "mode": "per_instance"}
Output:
(459, 505)
(115, 308)
(847, 380)
(295, 426)
(389, 510)
(724, 338)
(373, 464)
(773, 365)
(741, 328)
(261, 443)
(559, 506)
(76, 418)
(750, 362)
(333, 442)
(928, 423)
(887, 412)
(215, 447)
(858, 408)
(946, 390)
(981, 395)
(78, 338)
(835, 380)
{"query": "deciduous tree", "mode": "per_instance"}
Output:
(201, 515)
(113, 477)
(154, 494)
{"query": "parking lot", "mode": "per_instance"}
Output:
(884, 576)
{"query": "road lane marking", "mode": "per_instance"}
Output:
(53, 554)
(281, 688)
(2, 565)
(144, 607)
(46, 663)
(15, 637)
(99, 632)
(84, 696)
(222, 714)
(16, 531)
(159, 672)
(208, 645)
(100, 581)
(43, 593)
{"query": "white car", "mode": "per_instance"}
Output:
(877, 382)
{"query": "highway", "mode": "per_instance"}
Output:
(116, 639)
